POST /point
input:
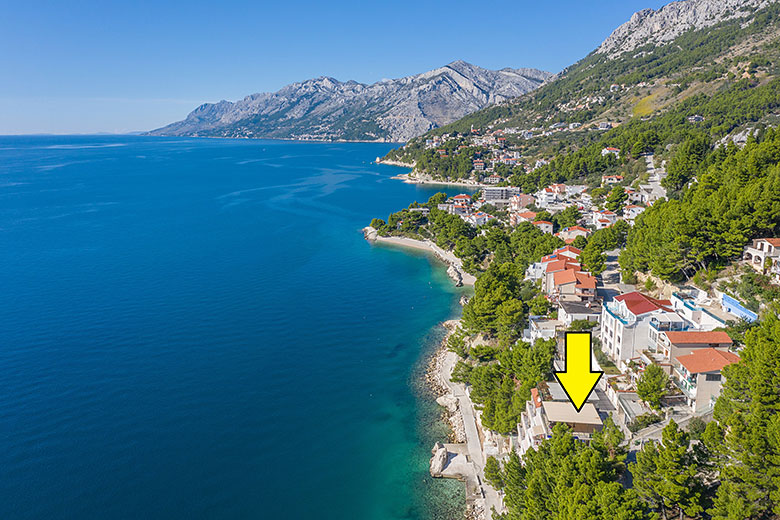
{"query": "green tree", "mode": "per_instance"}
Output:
(435, 200)
(493, 473)
(616, 199)
(565, 479)
(594, 259)
(580, 242)
(377, 223)
(567, 218)
(652, 385)
(667, 475)
(685, 162)
(539, 306)
(745, 436)
(608, 441)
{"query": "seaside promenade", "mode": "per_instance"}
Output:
(475, 478)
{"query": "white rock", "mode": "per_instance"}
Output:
(438, 461)
(450, 402)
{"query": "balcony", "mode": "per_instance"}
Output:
(649, 357)
(666, 326)
(686, 383)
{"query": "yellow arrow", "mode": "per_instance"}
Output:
(578, 379)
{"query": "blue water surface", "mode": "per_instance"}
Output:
(195, 328)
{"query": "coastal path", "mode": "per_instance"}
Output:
(492, 499)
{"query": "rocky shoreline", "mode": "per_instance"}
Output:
(436, 377)
(435, 380)
(390, 162)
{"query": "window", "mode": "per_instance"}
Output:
(712, 377)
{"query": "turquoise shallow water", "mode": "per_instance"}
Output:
(196, 329)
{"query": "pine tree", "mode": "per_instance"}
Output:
(667, 475)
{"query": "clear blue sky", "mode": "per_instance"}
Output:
(93, 66)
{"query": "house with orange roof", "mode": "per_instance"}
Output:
(632, 211)
(547, 197)
(633, 195)
(761, 252)
(558, 189)
(537, 270)
(674, 344)
(572, 284)
(570, 233)
(699, 376)
(544, 226)
(524, 216)
(611, 179)
(554, 267)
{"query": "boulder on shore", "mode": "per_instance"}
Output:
(449, 401)
(370, 233)
(455, 274)
(438, 461)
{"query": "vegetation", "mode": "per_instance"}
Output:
(500, 388)
(745, 437)
(736, 197)
(643, 421)
(667, 475)
(652, 385)
(567, 479)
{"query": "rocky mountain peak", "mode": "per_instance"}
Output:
(661, 26)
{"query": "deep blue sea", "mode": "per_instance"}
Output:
(195, 328)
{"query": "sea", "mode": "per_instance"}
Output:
(196, 328)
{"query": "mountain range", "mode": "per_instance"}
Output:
(390, 110)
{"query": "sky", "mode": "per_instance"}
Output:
(111, 66)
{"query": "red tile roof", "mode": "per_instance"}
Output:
(542, 222)
(561, 265)
(565, 277)
(774, 241)
(696, 337)
(527, 214)
(535, 396)
(462, 196)
(639, 303)
(570, 249)
(574, 228)
(707, 360)
(585, 280)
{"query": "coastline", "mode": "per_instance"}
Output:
(455, 270)
(391, 162)
(408, 179)
(295, 139)
(463, 457)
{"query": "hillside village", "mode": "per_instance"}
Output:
(636, 197)
(681, 331)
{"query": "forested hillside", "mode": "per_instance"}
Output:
(725, 75)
